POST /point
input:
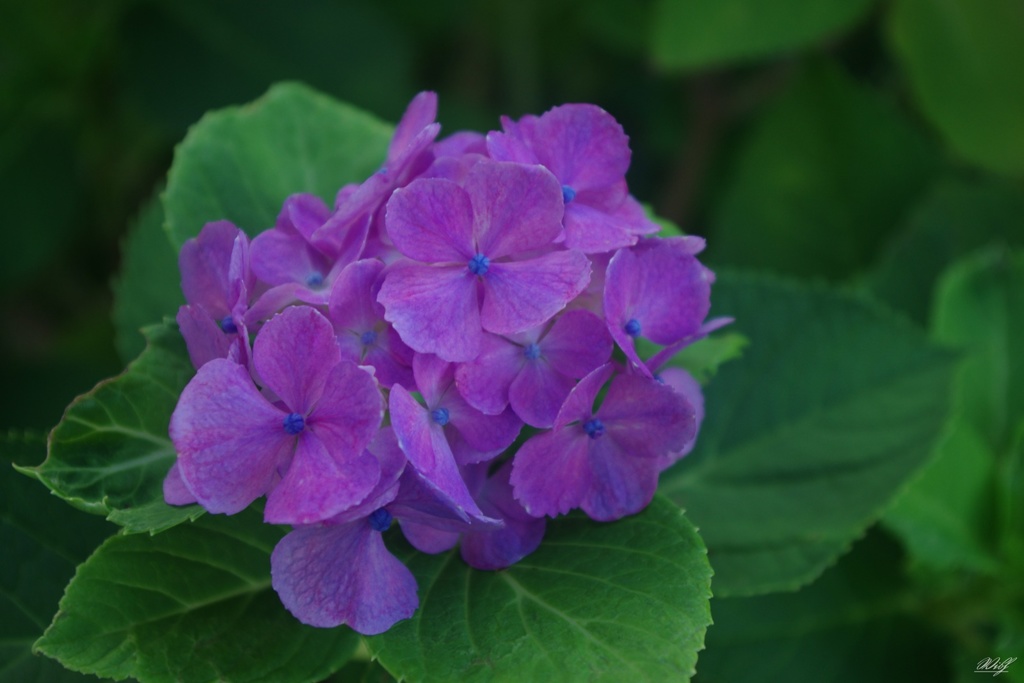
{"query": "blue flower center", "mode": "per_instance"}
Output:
(228, 326)
(440, 416)
(380, 520)
(479, 264)
(632, 327)
(594, 428)
(368, 337)
(568, 194)
(314, 280)
(531, 351)
(294, 423)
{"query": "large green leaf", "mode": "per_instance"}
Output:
(699, 33)
(833, 407)
(825, 174)
(854, 624)
(147, 289)
(626, 601)
(957, 216)
(192, 604)
(946, 516)
(111, 452)
(963, 58)
(43, 540)
(240, 163)
(979, 307)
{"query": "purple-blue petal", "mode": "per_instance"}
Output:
(332, 575)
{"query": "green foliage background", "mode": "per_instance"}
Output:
(865, 158)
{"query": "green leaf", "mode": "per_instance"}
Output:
(241, 163)
(957, 216)
(1012, 479)
(111, 452)
(703, 358)
(148, 287)
(851, 625)
(946, 516)
(979, 307)
(825, 174)
(833, 407)
(42, 540)
(963, 60)
(362, 672)
(626, 601)
(192, 604)
(701, 33)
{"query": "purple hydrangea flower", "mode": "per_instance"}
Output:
(477, 259)
(363, 334)
(658, 290)
(521, 533)
(339, 571)
(217, 283)
(605, 461)
(409, 154)
(297, 265)
(305, 451)
(684, 384)
(508, 535)
(425, 433)
(535, 371)
(588, 152)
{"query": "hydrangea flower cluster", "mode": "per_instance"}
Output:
(438, 348)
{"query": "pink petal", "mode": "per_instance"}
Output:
(229, 439)
(205, 264)
(645, 418)
(485, 433)
(427, 539)
(424, 444)
(577, 342)
(433, 309)
(526, 214)
(293, 354)
(538, 393)
(591, 230)
(332, 575)
(420, 113)
(484, 381)
(320, 483)
(349, 411)
(431, 220)
(579, 405)
(353, 304)
(620, 484)
(519, 295)
(279, 256)
(175, 490)
(550, 475)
